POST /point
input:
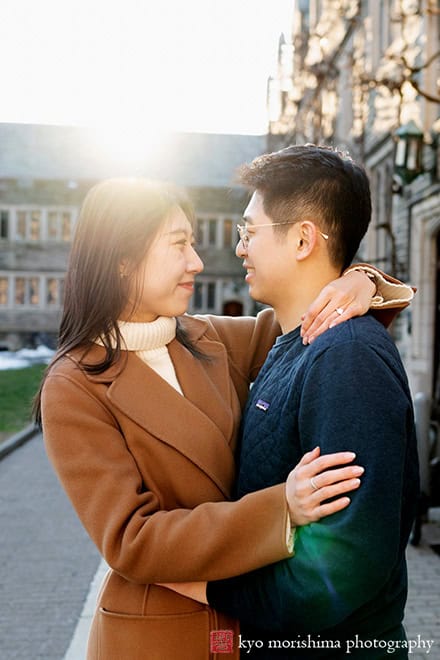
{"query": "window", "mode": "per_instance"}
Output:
(27, 291)
(59, 225)
(205, 296)
(211, 295)
(3, 290)
(198, 295)
(35, 232)
(4, 224)
(31, 291)
(34, 290)
(20, 290)
(227, 233)
(200, 232)
(216, 232)
(54, 291)
(385, 25)
(61, 290)
(20, 231)
(66, 226)
(380, 224)
(37, 224)
(212, 232)
(52, 225)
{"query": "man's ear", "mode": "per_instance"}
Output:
(306, 239)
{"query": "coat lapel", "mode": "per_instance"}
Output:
(198, 424)
(206, 383)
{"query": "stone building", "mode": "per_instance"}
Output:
(364, 75)
(45, 171)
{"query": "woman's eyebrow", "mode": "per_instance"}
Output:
(181, 230)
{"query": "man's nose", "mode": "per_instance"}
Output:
(240, 249)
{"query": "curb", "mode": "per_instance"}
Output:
(18, 439)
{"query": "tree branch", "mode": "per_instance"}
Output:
(426, 95)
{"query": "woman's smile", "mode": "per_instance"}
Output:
(189, 286)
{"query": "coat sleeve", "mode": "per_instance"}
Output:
(342, 561)
(127, 521)
(247, 339)
(392, 295)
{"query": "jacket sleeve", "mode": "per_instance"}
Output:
(126, 518)
(342, 561)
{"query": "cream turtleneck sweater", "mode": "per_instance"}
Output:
(149, 341)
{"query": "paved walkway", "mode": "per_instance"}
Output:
(422, 618)
(50, 570)
(46, 560)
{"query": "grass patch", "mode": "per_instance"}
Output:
(17, 390)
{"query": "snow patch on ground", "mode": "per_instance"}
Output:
(25, 357)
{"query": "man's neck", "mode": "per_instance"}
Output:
(296, 302)
(290, 318)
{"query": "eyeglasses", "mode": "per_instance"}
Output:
(243, 231)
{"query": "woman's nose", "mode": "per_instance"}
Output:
(195, 264)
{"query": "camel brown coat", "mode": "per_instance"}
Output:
(150, 473)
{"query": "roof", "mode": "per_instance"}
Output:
(31, 151)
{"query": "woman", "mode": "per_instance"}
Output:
(140, 411)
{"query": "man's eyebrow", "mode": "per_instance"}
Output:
(248, 219)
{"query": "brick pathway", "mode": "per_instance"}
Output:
(422, 617)
(46, 559)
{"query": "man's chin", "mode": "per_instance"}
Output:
(251, 292)
(257, 296)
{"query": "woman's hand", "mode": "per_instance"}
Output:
(194, 590)
(348, 296)
(313, 481)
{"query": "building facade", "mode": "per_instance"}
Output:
(363, 75)
(45, 172)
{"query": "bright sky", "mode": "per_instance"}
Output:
(191, 65)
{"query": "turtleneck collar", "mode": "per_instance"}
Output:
(148, 336)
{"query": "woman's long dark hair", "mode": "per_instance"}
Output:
(117, 224)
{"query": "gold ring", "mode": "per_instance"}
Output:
(313, 483)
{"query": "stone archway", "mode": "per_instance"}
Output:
(424, 356)
(436, 366)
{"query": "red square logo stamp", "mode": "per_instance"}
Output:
(221, 641)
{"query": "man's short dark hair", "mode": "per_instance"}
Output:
(320, 183)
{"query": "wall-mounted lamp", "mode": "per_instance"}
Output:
(408, 154)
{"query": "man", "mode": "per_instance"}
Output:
(343, 592)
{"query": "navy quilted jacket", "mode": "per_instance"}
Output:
(347, 391)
